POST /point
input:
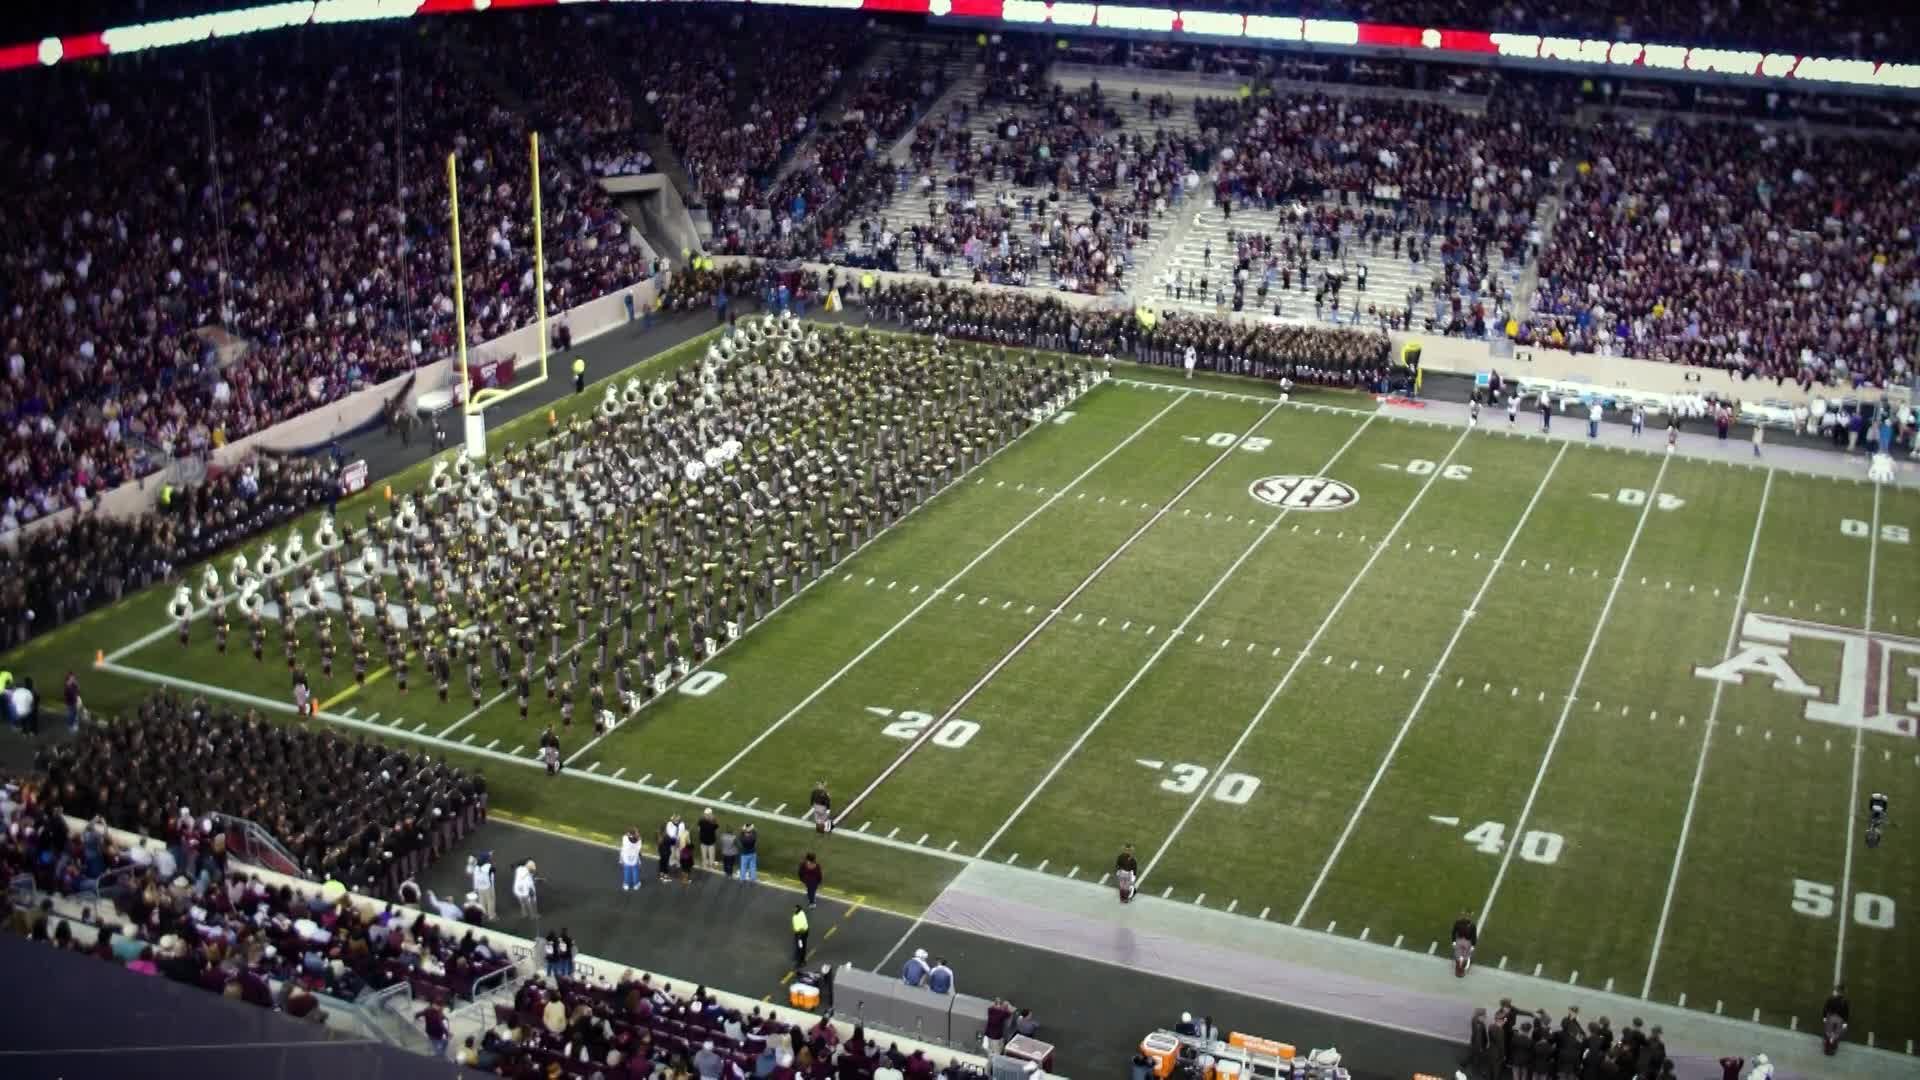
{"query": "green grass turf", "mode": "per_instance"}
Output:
(1328, 696)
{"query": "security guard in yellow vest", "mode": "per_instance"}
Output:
(799, 936)
(579, 374)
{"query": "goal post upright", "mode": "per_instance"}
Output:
(478, 401)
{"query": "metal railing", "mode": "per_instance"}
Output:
(250, 842)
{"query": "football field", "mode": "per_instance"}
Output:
(1345, 669)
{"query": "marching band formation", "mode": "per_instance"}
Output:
(694, 506)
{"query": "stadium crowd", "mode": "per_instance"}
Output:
(202, 256)
(344, 808)
(637, 1028)
(1719, 246)
(179, 910)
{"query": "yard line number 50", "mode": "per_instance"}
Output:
(1814, 899)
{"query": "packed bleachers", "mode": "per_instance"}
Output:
(179, 909)
(345, 808)
(126, 243)
(1722, 246)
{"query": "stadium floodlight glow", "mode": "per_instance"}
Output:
(1330, 32)
(1066, 14)
(345, 11)
(1213, 23)
(1117, 17)
(1275, 28)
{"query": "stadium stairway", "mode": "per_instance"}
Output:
(879, 51)
(917, 189)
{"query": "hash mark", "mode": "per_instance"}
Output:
(951, 844)
(1536, 970)
(1103, 878)
(1433, 948)
(1012, 857)
(516, 750)
(1166, 892)
(776, 810)
(618, 771)
(493, 744)
(1397, 939)
(1197, 899)
(1073, 873)
(896, 829)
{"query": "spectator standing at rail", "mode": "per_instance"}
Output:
(811, 875)
(526, 890)
(709, 840)
(630, 860)
(749, 853)
(481, 869)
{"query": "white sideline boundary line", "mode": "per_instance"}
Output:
(1165, 644)
(826, 574)
(1579, 676)
(1706, 743)
(1051, 615)
(1859, 751)
(1381, 547)
(1520, 433)
(1426, 688)
(933, 597)
(528, 762)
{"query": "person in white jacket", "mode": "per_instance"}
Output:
(481, 869)
(524, 890)
(630, 860)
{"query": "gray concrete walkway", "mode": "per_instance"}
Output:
(1403, 989)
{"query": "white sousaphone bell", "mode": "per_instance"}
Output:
(325, 536)
(406, 520)
(442, 478)
(296, 549)
(250, 599)
(210, 586)
(611, 406)
(269, 564)
(180, 608)
(658, 395)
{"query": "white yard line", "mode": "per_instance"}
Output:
(1466, 619)
(1051, 615)
(1706, 742)
(1859, 751)
(1165, 644)
(1579, 675)
(933, 597)
(1300, 658)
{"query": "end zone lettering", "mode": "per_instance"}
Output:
(1303, 493)
(1877, 671)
